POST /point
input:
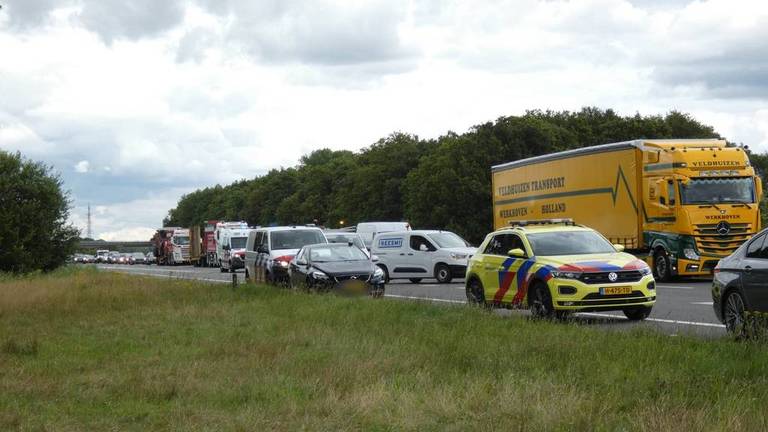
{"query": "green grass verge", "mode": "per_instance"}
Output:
(85, 350)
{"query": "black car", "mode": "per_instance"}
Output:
(740, 283)
(341, 267)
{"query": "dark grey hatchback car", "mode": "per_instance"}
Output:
(740, 283)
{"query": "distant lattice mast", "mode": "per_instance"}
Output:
(88, 234)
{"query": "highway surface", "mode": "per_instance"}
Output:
(683, 307)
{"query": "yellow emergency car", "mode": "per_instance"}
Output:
(554, 267)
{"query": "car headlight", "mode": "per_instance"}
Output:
(283, 263)
(645, 271)
(458, 256)
(691, 254)
(319, 275)
(566, 274)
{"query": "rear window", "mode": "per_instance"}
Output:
(295, 239)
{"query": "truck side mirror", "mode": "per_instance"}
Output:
(758, 189)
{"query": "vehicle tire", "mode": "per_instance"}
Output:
(734, 314)
(475, 292)
(247, 276)
(662, 268)
(231, 267)
(637, 314)
(540, 301)
(415, 280)
(386, 273)
(221, 268)
(443, 273)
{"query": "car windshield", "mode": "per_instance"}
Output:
(238, 242)
(181, 240)
(336, 254)
(346, 238)
(295, 239)
(718, 191)
(447, 240)
(569, 243)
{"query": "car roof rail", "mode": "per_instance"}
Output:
(559, 221)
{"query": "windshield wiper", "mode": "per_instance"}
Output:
(710, 205)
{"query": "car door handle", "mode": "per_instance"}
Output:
(747, 269)
(490, 268)
(410, 254)
(402, 254)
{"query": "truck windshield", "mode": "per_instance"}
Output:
(569, 243)
(238, 242)
(447, 240)
(181, 241)
(718, 190)
(295, 239)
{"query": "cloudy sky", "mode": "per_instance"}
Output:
(135, 102)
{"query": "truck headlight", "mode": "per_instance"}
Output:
(566, 275)
(691, 254)
(319, 275)
(458, 256)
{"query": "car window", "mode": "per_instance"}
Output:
(501, 244)
(417, 241)
(755, 248)
(447, 239)
(295, 239)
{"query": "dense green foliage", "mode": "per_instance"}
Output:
(437, 183)
(34, 234)
(92, 351)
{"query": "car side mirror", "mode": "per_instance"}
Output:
(301, 263)
(619, 247)
(374, 258)
(516, 253)
(262, 249)
(423, 248)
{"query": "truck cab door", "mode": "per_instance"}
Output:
(661, 200)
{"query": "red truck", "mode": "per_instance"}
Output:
(202, 251)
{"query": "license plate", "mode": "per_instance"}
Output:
(354, 287)
(616, 290)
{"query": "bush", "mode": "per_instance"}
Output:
(34, 233)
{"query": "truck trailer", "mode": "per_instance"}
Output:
(681, 205)
(171, 246)
(202, 244)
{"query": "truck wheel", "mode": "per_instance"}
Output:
(637, 314)
(415, 280)
(540, 301)
(662, 268)
(443, 273)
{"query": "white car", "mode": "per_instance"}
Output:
(420, 254)
(272, 250)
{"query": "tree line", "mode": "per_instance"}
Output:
(432, 183)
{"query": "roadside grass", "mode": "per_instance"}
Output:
(89, 350)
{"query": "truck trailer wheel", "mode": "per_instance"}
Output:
(662, 268)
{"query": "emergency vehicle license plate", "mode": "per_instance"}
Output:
(616, 290)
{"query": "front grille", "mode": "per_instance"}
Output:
(595, 299)
(602, 277)
(362, 276)
(709, 242)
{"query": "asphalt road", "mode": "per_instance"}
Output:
(683, 307)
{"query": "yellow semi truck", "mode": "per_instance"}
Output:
(681, 205)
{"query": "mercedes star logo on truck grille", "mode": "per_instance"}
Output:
(723, 228)
(612, 276)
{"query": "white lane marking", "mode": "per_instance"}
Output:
(674, 287)
(665, 321)
(425, 298)
(702, 303)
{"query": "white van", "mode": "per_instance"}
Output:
(420, 254)
(222, 234)
(368, 230)
(273, 248)
(232, 245)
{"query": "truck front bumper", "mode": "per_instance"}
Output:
(702, 267)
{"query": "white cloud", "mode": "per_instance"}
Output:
(156, 100)
(82, 167)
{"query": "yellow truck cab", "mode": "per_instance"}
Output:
(681, 205)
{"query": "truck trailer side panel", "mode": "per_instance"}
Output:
(599, 187)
